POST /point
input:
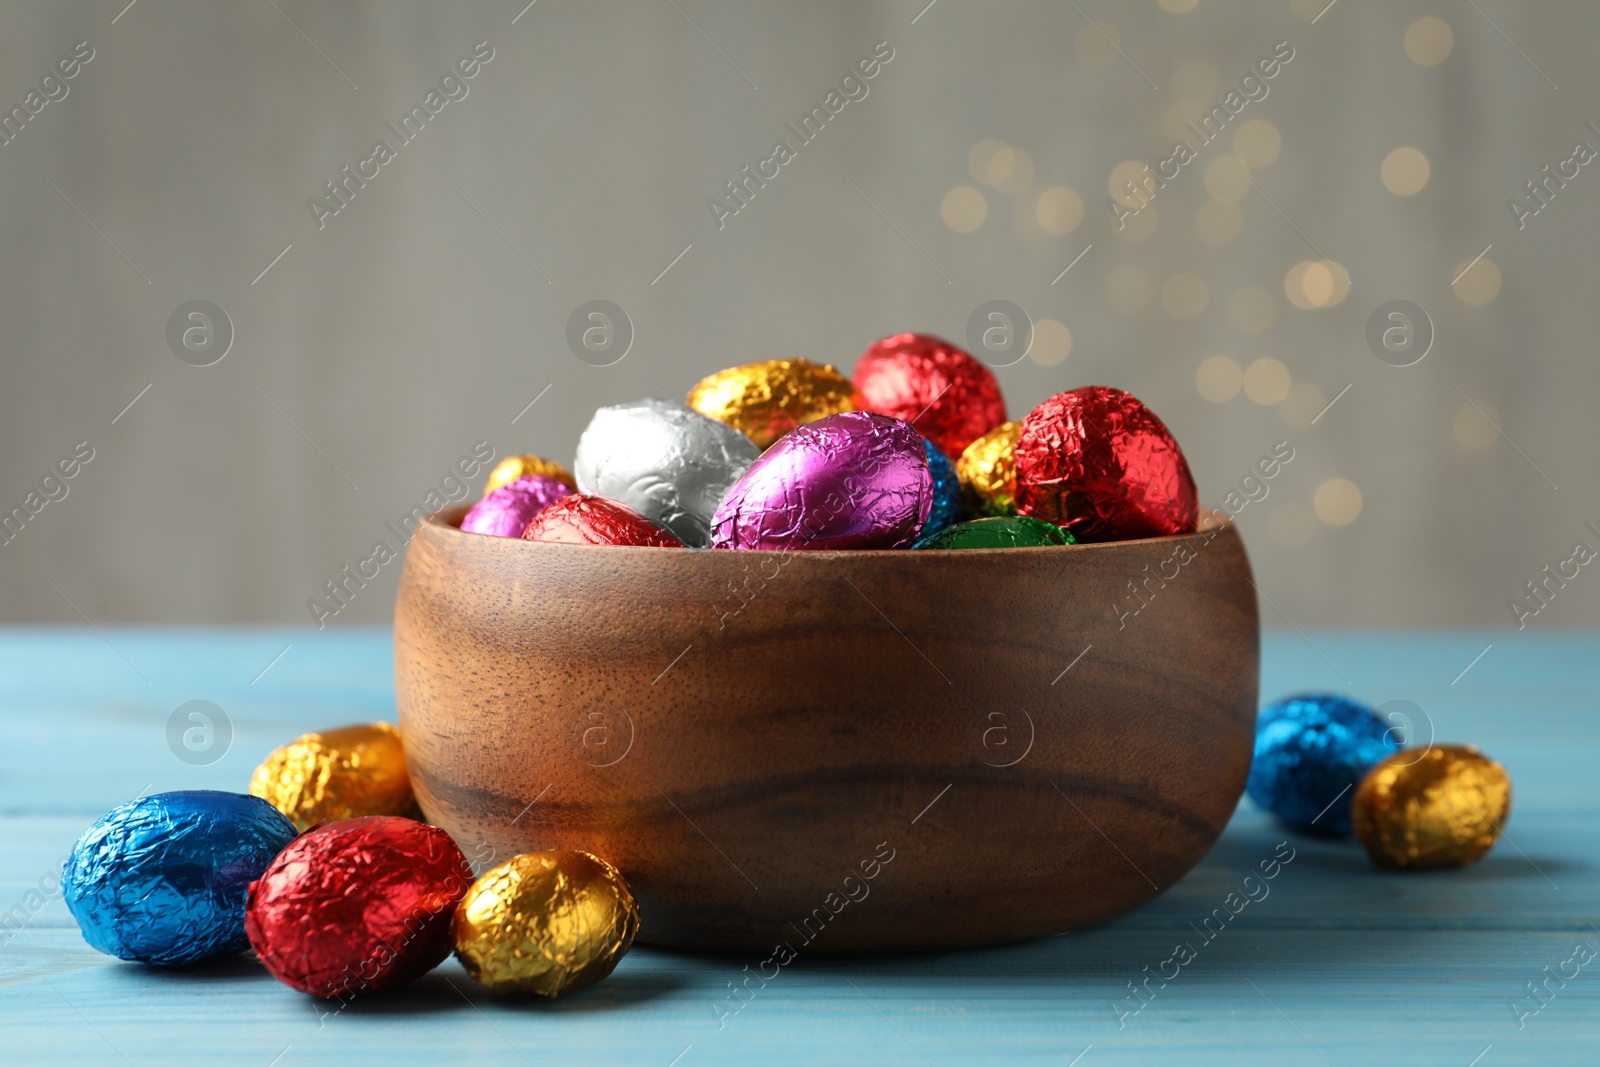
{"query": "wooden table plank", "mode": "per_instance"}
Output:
(1340, 964)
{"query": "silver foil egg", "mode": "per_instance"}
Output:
(665, 460)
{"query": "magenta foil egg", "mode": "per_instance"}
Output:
(853, 480)
(507, 511)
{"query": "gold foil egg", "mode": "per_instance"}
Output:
(988, 472)
(545, 923)
(766, 400)
(513, 467)
(1441, 808)
(337, 774)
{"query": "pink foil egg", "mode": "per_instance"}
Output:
(852, 480)
(507, 511)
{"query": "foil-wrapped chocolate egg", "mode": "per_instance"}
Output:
(1444, 807)
(766, 400)
(950, 398)
(1311, 752)
(511, 468)
(948, 504)
(507, 511)
(988, 472)
(358, 905)
(545, 923)
(852, 480)
(337, 774)
(581, 519)
(1098, 462)
(1000, 531)
(163, 879)
(665, 460)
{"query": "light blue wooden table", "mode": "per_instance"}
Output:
(1340, 964)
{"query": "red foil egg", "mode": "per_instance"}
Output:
(581, 519)
(357, 905)
(1097, 462)
(938, 388)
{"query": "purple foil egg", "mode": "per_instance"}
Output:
(507, 511)
(853, 480)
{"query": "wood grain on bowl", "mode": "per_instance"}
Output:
(1011, 743)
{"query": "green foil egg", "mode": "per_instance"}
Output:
(1007, 531)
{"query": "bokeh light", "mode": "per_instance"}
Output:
(1129, 170)
(1266, 381)
(1428, 41)
(1257, 142)
(1316, 284)
(1480, 284)
(990, 161)
(1475, 430)
(1337, 501)
(1218, 379)
(1294, 285)
(1405, 171)
(963, 209)
(1184, 296)
(1019, 176)
(1052, 343)
(1059, 210)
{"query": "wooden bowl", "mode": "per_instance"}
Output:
(837, 751)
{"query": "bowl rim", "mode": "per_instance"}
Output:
(446, 522)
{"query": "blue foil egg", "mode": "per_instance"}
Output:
(948, 505)
(163, 879)
(1312, 750)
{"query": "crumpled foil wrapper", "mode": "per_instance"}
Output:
(511, 468)
(988, 472)
(507, 511)
(766, 400)
(853, 480)
(1097, 462)
(665, 460)
(949, 505)
(1444, 807)
(1311, 752)
(545, 923)
(950, 398)
(1010, 531)
(337, 774)
(581, 519)
(163, 879)
(357, 906)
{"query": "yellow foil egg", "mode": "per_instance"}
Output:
(988, 472)
(513, 467)
(1441, 808)
(545, 923)
(337, 774)
(766, 400)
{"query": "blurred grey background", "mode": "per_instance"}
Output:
(372, 352)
